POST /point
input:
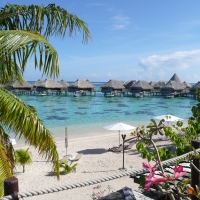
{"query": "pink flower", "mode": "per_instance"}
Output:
(178, 172)
(151, 169)
(152, 180)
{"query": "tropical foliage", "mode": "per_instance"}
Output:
(67, 168)
(23, 157)
(24, 33)
(181, 140)
(180, 137)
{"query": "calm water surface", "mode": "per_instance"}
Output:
(87, 115)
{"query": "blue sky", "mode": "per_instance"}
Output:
(131, 40)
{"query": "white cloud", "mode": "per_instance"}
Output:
(120, 22)
(181, 60)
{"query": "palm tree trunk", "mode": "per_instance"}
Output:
(23, 168)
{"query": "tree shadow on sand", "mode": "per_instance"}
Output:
(93, 151)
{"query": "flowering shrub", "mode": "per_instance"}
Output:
(150, 179)
(181, 140)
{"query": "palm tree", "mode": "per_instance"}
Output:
(24, 32)
(67, 168)
(23, 157)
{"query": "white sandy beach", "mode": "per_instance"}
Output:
(96, 162)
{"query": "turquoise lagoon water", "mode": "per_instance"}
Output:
(87, 115)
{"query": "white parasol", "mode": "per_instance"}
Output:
(168, 118)
(119, 127)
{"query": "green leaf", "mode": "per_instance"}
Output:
(140, 146)
(142, 180)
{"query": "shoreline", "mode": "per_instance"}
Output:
(87, 131)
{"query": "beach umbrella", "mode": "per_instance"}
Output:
(168, 118)
(119, 127)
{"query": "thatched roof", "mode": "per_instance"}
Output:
(16, 84)
(64, 84)
(159, 84)
(81, 84)
(152, 83)
(90, 83)
(173, 85)
(37, 83)
(114, 84)
(175, 78)
(129, 84)
(48, 83)
(144, 85)
(186, 84)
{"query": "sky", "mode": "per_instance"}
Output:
(131, 40)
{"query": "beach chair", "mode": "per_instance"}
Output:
(71, 158)
(75, 158)
(116, 149)
(129, 146)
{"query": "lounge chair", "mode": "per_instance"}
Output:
(71, 158)
(116, 149)
(75, 158)
(129, 146)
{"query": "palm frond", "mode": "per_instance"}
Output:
(47, 20)
(5, 168)
(10, 71)
(23, 120)
(8, 148)
(19, 45)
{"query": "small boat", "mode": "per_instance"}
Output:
(42, 94)
(109, 95)
(169, 96)
(139, 95)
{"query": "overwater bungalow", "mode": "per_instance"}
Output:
(187, 85)
(193, 89)
(81, 86)
(65, 85)
(157, 87)
(113, 87)
(37, 83)
(18, 88)
(48, 86)
(129, 84)
(186, 91)
(173, 87)
(140, 88)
